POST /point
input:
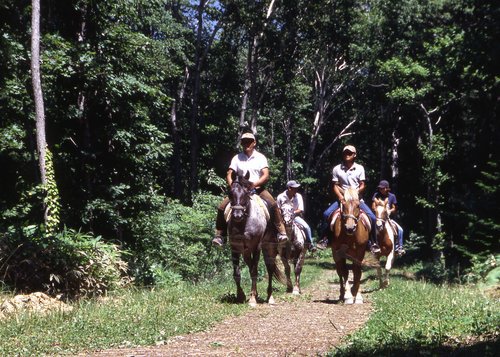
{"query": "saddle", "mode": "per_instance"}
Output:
(363, 217)
(260, 203)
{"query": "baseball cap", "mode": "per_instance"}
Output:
(350, 148)
(383, 184)
(247, 136)
(292, 184)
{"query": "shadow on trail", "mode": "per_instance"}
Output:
(231, 299)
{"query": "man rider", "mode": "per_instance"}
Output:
(345, 175)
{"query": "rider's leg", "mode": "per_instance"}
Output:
(323, 234)
(399, 249)
(307, 229)
(276, 215)
(220, 224)
(373, 232)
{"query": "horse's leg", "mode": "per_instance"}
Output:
(252, 261)
(390, 260)
(356, 272)
(240, 295)
(299, 263)
(340, 266)
(284, 255)
(379, 274)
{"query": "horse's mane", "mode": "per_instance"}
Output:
(351, 194)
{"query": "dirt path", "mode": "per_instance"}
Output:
(302, 326)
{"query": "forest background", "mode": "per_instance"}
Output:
(145, 100)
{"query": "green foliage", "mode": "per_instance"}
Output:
(417, 317)
(51, 202)
(176, 242)
(69, 262)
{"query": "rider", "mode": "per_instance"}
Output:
(252, 161)
(382, 193)
(345, 175)
(294, 198)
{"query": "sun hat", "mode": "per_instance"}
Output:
(293, 184)
(349, 148)
(383, 184)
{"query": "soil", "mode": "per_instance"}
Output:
(307, 325)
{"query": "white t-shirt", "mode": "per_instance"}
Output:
(348, 177)
(296, 201)
(254, 164)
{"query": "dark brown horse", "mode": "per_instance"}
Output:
(385, 239)
(350, 237)
(294, 250)
(248, 233)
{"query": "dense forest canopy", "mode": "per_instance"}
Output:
(144, 102)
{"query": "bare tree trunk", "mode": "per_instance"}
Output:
(176, 130)
(37, 89)
(250, 90)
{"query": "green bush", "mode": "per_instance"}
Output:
(176, 242)
(69, 262)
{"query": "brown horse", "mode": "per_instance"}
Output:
(385, 238)
(249, 233)
(294, 250)
(350, 238)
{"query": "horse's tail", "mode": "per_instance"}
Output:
(278, 275)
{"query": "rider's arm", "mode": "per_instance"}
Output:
(337, 190)
(361, 188)
(393, 209)
(229, 177)
(264, 177)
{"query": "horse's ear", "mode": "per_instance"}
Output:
(377, 201)
(386, 200)
(247, 175)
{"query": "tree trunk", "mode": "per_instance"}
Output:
(37, 89)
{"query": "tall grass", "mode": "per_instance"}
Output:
(418, 318)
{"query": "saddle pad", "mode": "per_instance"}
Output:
(260, 202)
(363, 217)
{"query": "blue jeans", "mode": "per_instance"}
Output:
(333, 207)
(400, 235)
(307, 229)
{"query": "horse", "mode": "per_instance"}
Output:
(385, 239)
(249, 233)
(294, 250)
(350, 238)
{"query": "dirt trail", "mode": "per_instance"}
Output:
(299, 326)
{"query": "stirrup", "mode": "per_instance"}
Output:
(218, 241)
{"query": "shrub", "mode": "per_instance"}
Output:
(69, 262)
(176, 241)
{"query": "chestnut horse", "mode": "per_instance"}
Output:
(249, 233)
(385, 238)
(350, 237)
(294, 250)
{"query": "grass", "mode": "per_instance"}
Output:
(410, 318)
(414, 318)
(132, 317)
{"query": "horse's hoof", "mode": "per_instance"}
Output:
(296, 292)
(358, 301)
(252, 303)
(271, 301)
(349, 301)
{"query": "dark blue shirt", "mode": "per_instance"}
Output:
(392, 198)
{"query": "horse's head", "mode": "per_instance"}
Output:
(381, 212)
(287, 212)
(350, 210)
(239, 196)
